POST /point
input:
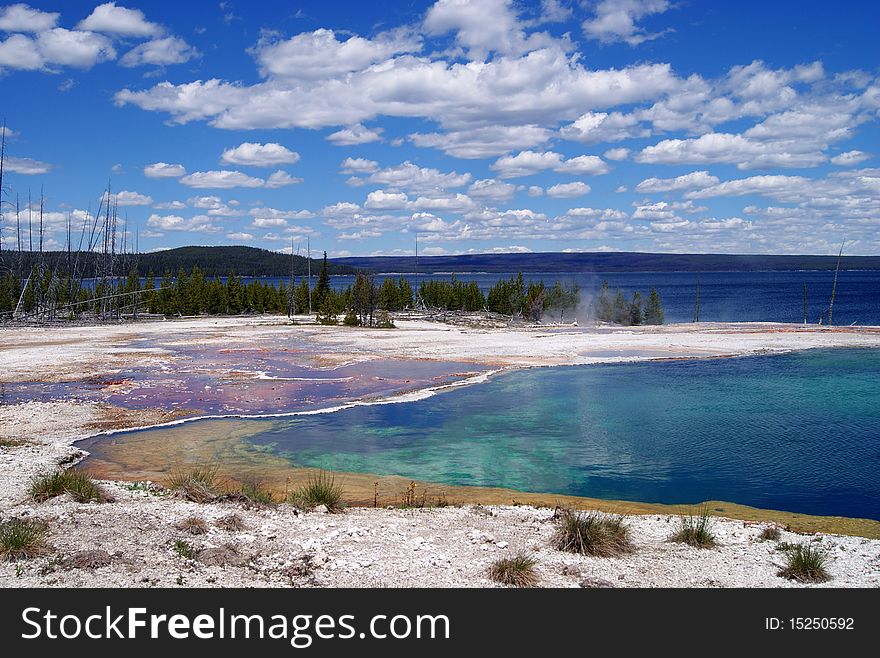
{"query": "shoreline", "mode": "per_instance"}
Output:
(54, 429)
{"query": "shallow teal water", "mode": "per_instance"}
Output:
(797, 432)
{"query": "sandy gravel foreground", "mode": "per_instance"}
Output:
(446, 547)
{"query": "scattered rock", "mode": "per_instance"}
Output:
(595, 583)
(222, 556)
(94, 559)
(302, 568)
(231, 523)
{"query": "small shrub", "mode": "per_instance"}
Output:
(409, 498)
(256, 493)
(184, 550)
(193, 525)
(230, 523)
(516, 571)
(198, 483)
(22, 539)
(770, 533)
(695, 529)
(784, 547)
(351, 319)
(13, 443)
(806, 564)
(596, 534)
(384, 321)
(81, 487)
(321, 489)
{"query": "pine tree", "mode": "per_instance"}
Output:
(322, 289)
(301, 297)
(165, 304)
(635, 310)
(235, 298)
(604, 306)
(404, 294)
(389, 296)
(654, 309)
(148, 299)
(326, 313)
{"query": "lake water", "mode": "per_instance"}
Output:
(724, 296)
(797, 432)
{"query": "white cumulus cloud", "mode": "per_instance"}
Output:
(568, 190)
(250, 154)
(164, 170)
(112, 19)
(354, 135)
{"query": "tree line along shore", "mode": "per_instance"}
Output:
(52, 294)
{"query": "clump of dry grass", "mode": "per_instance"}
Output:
(21, 539)
(595, 533)
(515, 571)
(321, 489)
(231, 523)
(256, 493)
(193, 525)
(79, 485)
(197, 483)
(805, 563)
(13, 443)
(695, 529)
(770, 533)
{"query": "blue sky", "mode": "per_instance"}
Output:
(478, 125)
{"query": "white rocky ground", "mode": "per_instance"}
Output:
(131, 540)
(447, 547)
(62, 353)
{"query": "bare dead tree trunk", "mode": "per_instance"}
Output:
(834, 288)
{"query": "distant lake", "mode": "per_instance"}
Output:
(724, 296)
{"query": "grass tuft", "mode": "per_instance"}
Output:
(321, 489)
(695, 529)
(785, 546)
(197, 483)
(596, 533)
(770, 533)
(184, 550)
(81, 487)
(805, 563)
(516, 571)
(22, 539)
(257, 493)
(193, 525)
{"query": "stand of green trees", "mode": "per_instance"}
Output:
(616, 309)
(364, 303)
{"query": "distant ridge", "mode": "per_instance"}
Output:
(214, 261)
(606, 262)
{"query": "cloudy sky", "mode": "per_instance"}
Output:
(478, 125)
